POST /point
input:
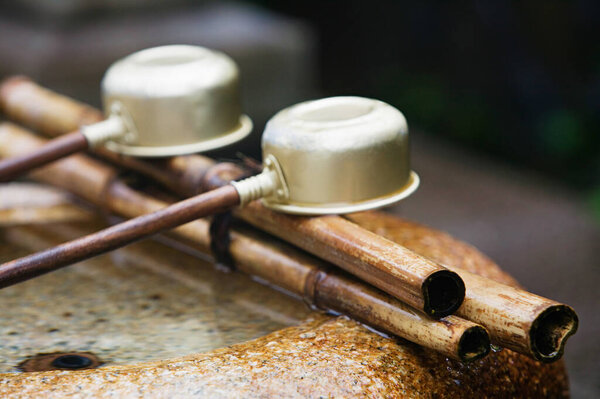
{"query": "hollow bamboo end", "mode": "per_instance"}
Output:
(443, 293)
(474, 344)
(550, 331)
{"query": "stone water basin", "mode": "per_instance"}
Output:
(164, 322)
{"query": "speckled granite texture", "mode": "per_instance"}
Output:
(322, 358)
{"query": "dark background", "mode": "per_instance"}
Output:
(517, 80)
(502, 99)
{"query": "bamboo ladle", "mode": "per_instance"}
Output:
(162, 101)
(335, 155)
(515, 319)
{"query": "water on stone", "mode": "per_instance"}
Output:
(143, 302)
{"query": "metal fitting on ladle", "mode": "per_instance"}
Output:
(117, 125)
(270, 182)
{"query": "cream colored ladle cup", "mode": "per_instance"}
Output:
(159, 102)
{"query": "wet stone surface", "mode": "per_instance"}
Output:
(149, 302)
(144, 302)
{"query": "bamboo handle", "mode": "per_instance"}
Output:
(536, 325)
(401, 273)
(117, 236)
(60, 147)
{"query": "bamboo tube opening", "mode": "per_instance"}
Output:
(474, 344)
(443, 292)
(550, 331)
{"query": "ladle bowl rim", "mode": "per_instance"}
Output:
(341, 208)
(243, 129)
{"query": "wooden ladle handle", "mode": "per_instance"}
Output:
(68, 144)
(118, 235)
